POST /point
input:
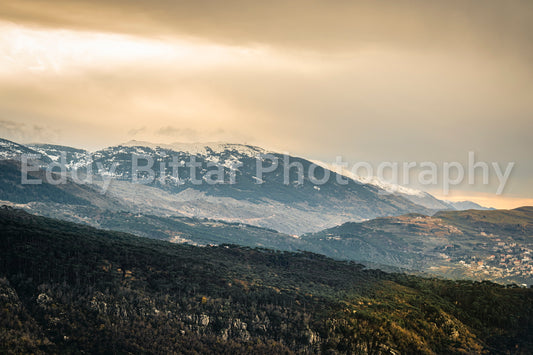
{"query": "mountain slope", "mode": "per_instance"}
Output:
(416, 196)
(67, 287)
(176, 229)
(11, 188)
(12, 151)
(495, 245)
(466, 205)
(291, 205)
(56, 153)
(517, 222)
(48, 195)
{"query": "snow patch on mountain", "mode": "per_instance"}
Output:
(202, 149)
(74, 157)
(373, 180)
(12, 150)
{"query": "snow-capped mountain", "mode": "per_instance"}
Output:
(414, 195)
(266, 201)
(296, 207)
(71, 155)
(203, 149)
(13, 151)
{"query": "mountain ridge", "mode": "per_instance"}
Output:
(288, 206)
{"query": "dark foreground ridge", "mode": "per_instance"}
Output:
(66, 287)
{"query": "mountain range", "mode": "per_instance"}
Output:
(376, 224)
(292, 208)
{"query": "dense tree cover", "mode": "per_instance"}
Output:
(71, 288)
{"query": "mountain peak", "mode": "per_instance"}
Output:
(199, 148)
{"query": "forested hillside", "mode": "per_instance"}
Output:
(66, 287)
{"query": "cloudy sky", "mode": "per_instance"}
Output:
(397, 81)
